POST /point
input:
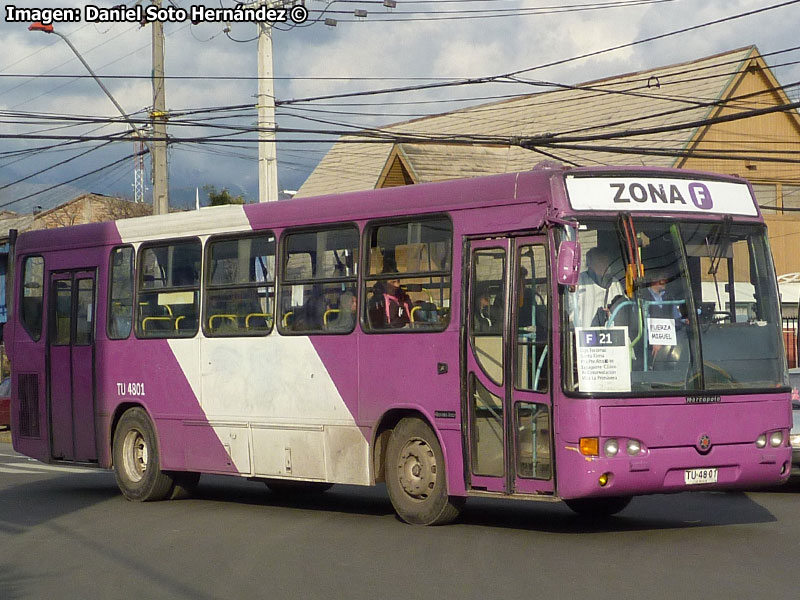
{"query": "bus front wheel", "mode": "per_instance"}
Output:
(416, 477)
(137, 465)
(598, 507)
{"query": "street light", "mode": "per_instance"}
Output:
(159, 189)
(39, 26)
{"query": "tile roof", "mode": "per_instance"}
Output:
(658, 97)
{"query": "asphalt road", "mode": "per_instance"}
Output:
(68, 533)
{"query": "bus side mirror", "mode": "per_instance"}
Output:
(569, 263)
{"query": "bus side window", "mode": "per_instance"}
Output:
(240, 286)
(407, 286)
(532, 324)
(168, 295)
(318, 280)
(31, 305)
(120, 281)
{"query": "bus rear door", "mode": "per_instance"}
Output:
(508, 407)
(71, 365)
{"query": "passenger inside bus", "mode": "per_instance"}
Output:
(488, 318)
(343, 317)
(308, 316)
(390, 306)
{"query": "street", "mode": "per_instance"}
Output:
(67, 533)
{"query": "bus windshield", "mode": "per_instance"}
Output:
(675, 306)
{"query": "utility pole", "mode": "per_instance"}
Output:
(267, 152)
(159, 119)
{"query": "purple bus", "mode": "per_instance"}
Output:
(584, 335)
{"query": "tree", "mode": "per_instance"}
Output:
(223, 196)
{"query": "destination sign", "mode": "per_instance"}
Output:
(604, 361)
(657, 194)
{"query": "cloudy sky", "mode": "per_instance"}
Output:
(212, 68)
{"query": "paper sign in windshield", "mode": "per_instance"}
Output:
(661, 332)
(604, 363)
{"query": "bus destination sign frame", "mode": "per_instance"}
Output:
(660, 194)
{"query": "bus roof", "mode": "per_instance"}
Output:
(461, 194)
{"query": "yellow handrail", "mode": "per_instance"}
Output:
(413, 310)
(230, 317)
(330, 311)
(146, 319)
(267, 316)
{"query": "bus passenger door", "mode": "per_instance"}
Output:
(508, 407)
(71, 365)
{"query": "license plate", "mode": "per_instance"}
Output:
(698, 476)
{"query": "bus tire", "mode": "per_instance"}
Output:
(137, 465)
(416, 477)
(291, 487)
(598, 507)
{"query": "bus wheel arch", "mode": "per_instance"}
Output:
(136, 457)
(416, 474)
(381, 435)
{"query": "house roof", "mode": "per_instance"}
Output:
(18, 222)
(25, 222)
(82, 197)
(664, 96)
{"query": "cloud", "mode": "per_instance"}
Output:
(354, 56)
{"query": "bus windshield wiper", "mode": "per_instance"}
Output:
(720, 243)
(634, 269)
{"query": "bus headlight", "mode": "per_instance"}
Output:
(634, 447)
(795, 440)
(611, 448)
(776, 439)
(761, 441)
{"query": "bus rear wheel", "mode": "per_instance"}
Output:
(598, 507)
(137, 465)
(416, 477)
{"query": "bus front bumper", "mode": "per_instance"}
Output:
(664, 470)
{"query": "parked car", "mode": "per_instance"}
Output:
(5, 402)
(794, 436)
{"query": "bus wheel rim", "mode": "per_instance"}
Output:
(135, 455)
(417, 469)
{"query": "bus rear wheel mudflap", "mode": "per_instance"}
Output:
(416, 478)
(137, 465)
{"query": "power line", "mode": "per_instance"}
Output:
(461, 15)
(54, 166)
(74, 179)
(498, 77)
